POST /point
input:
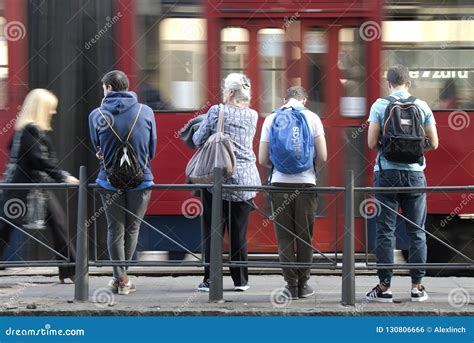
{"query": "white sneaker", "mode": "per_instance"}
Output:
(419, 294)
(126, 288)
(241, 288)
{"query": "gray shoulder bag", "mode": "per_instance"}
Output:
(217, 152)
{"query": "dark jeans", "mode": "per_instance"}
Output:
(293, 214)
(238, 220)
(413, 207)
(56, 220)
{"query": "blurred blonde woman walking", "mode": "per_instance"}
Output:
(32, 160)
(240, 124)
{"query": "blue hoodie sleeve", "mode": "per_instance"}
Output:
(153, 138)
(92, 130)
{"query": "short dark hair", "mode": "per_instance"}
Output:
(296, 92)
(117, 80)
(398, 75)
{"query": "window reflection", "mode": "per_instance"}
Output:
(439, 54)
(234, 50)
(351, 64)
(272, 68)
(3, 61)
(315, 48)
(182, 50)
(171, 47)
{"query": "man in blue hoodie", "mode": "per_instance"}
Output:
(119, 110)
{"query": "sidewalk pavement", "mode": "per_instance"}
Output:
(177, 296)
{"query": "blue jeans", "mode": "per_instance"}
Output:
(413, 207)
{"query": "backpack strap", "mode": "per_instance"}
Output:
(110, 126)
(270, 176)
(133, 126)
(220, 119)
(293, 108)
(115, 132)
(379, 157)
(392, 98)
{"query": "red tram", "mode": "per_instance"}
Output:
(177, 52)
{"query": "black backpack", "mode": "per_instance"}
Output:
(403, 136)
(125, 172)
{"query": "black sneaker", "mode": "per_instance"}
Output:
(376, 294)
(203, 287)
(419, 294)
(291, 292)
(305, 291)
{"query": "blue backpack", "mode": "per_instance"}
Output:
(291, 142)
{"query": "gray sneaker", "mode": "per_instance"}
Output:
(305, 291)
(291, 292)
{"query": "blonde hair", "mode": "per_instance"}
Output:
(38, 108)
(239, 84)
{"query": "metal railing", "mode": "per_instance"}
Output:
(187, 187)
(216, 284)
(216, 264)
(82, 287)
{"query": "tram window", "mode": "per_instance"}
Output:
(3, 63)
(234, 50)
(315, 49)
(351, 63)
(182, 50)
(171, 48)
(272, 68)
(439, 54)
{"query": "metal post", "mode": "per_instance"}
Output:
(215, 268)
(348, 260)
(81, 290)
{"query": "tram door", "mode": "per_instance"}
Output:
(353, 105)
(277, 55)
